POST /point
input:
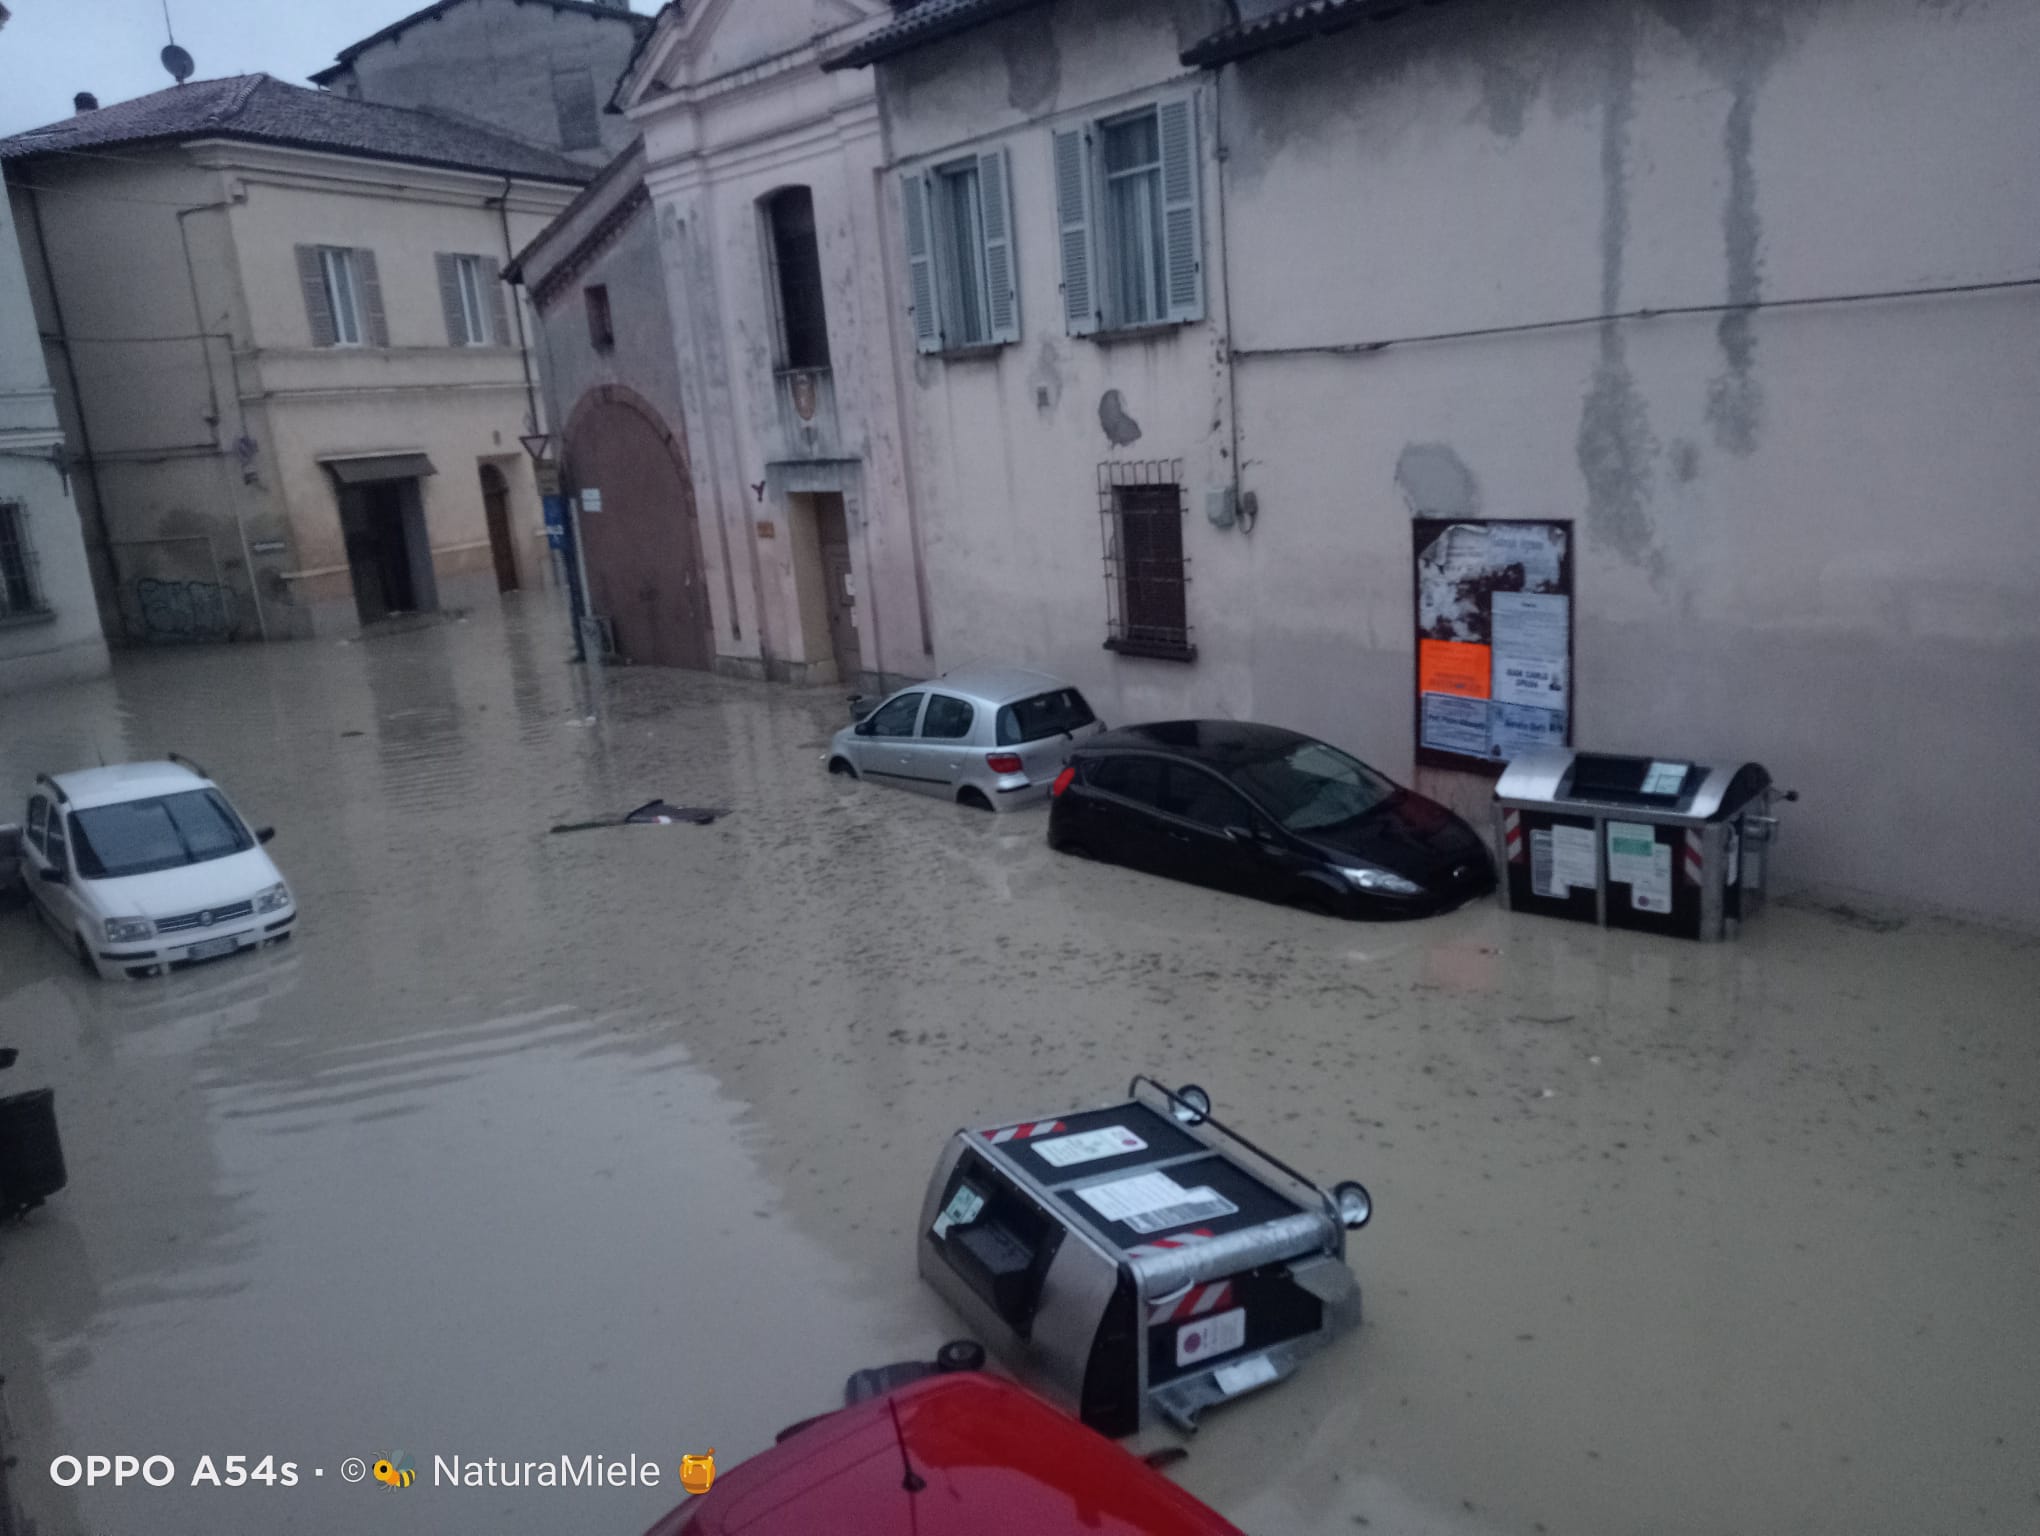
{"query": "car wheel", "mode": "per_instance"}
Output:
(840, 767)
(1314, 902)
(973, 798)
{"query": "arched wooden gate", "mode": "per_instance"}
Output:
(643, 548)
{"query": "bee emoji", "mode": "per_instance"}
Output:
(395, 1473)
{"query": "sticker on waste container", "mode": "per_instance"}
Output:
(1664, 778)
(1088, 1146)
(961, 1211)
(1244, 1375)
(1210, 1336)
(1154, 1202)
(1637, 859)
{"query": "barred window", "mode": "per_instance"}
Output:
(1146, 576)
(20, 582)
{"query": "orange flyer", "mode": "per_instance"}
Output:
(1453, 666)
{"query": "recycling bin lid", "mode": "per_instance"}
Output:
(1649, 788)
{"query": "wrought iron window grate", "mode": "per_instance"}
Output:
(1147, 577)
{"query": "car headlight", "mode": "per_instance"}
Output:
(128, 930)
(1367, 878)
(275, 899)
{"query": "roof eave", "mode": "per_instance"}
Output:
(1231, 44)
(878, 48)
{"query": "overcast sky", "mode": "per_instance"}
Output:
(53, 49)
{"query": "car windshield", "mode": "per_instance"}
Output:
(137, 837)
(1046, 714)
(1313, 786)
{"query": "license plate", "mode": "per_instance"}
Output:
(210, 948)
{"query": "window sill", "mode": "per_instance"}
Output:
(25, 620)
(1157, 650)
(975, 352)
(1120, 335)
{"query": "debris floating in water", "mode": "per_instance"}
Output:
(653, 813)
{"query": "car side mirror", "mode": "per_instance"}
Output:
(55, 876)
(264, 834)
(863, 727)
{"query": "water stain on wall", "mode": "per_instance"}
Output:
(1435, 482)
(1120, 428)
(1033, 61)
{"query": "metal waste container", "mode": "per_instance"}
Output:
(31, 1156)
(1656, 844)
(1139, 1261)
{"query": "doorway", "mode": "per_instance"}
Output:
(383, 525)
(839, 582)
(496, 510)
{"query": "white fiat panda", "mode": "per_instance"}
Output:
(144, 868)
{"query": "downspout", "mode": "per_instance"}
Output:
(1232, 380)
(523, 340)
(42, 246)
(212, 395)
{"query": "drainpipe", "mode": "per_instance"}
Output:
(78, 405)
(212, 395)
(1232, 378)
(523, 341)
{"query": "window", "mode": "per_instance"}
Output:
(54, 846)
(1313, 786)
(897, 716)
(1138, 779)
(962, 289)
(947, 719)
(574, 108)
(337, 265)
(601, 333)
(1044, 715)
(1146, 576)
(20, 582)
(1126, 191)
(796, 262)
(38, 818)
(138, 837)
(1197, 796)
(471, 295)
(343, 296)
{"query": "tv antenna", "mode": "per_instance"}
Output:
(175, 59)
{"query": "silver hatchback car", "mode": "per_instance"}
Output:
(992, 737)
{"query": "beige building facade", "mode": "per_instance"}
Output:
(294, 377)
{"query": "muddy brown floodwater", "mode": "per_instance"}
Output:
(614, 1142)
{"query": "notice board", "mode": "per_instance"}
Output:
(1494, 647)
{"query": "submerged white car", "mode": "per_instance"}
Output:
(145, 868)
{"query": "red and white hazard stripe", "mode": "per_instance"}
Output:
(1022, 1132)
(1694, 860)
(1191, 1301)
(1512, 835)
(1168, 1244)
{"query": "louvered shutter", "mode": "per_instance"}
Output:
(1182, 242)
(318, 308)
(1002, 282)
(921, 265)
(1073, 219)
(371, 299)
(449, 299)
(499, 297)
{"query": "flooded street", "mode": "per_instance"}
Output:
(614, 1141)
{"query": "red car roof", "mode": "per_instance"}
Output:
(995, 1461)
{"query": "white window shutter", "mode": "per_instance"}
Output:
(1182, 237)
(318, 308)
(1073, 220)
(499, 307)
(921, 265)
(375, 325)
(1002, 282)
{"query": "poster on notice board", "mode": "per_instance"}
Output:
(1494, 640)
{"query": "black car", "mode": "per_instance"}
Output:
(1265, 812)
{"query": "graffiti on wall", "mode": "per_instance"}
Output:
(184, 610)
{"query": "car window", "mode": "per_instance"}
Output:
(53, 842)
(1197, 796)
(161, 832)
(1138, 779)
(1312, 786)
(947, 719)
(1046, 714)
(896, 716)
(38, 814)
